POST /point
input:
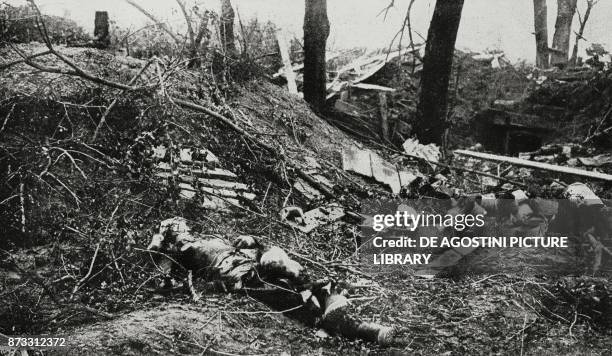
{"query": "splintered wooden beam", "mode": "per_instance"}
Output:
(536, 165)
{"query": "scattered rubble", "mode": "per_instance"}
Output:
(310, 220)
(430, 152)
(370, 164)
(196, 171)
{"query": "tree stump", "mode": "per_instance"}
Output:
(101, 32)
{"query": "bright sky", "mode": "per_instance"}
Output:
(485, 24)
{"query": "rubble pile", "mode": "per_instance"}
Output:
(196, 171)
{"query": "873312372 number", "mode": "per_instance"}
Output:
(36, 342)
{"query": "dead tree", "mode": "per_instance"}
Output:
(540, 14)
(197, 33)
(101, 33)
(580, 33)
(563, 30)
(283, 46)
(437, 65)
(316, 31)
(227, 27)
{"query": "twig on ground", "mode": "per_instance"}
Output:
(7, 118)
(86, 277)
(195, 296)
(523, 334)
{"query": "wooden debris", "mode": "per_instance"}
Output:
(197, 173)
(187, 191)
(307, 190)
(537, 165)
(159, 152)
(385, 172)
(430, 153)
(318, 184)
(312, 219)
(580, 194)
(164, 166)
(228, 193)
(207, 156)
(217, 203)
(356, 160)
(370, 164)
(596, 161)
(209, 173)
(365, 86)
(222, 184)
(186, 155)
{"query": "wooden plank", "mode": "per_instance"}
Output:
(536, 165)
(228, 193)
(209, 173)
(307, 190)
(186, 155)
(356, 160)
(187, 191)
(318, 217)
(222, 184)
(365, 86)
(406, 178)
(386, 173)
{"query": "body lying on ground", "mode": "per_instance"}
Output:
(267, 273)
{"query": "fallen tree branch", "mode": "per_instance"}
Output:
(7, 65)
(86, 277)
(328, 193)
(225, 120)
(537, 165)
(114, 102)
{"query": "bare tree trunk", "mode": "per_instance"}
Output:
(283, 45)
(583, 21)
(540, 17)
(101, 33)
(316, 31)
(227, 27)
(438, 61)
(563, 30)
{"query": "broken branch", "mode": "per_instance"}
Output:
(7, 65)
(161, 24)
(114, 102)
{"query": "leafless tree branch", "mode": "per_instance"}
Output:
(161, 24)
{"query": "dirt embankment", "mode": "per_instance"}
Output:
(107, 199)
